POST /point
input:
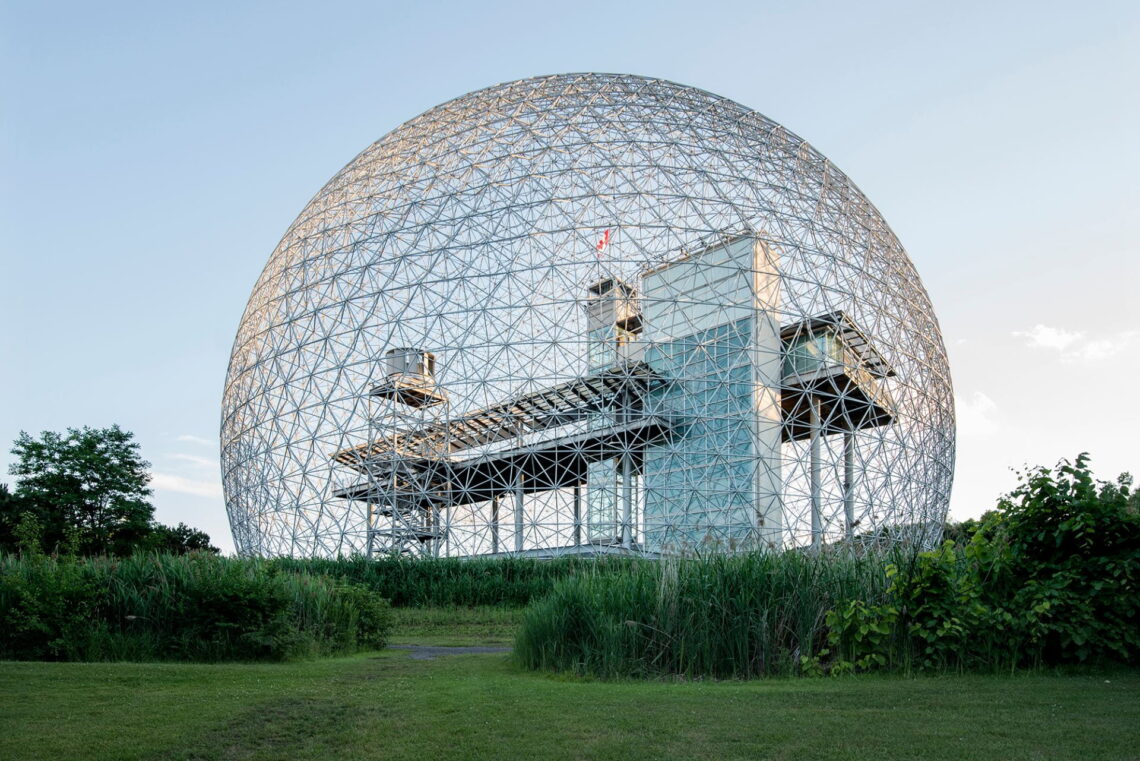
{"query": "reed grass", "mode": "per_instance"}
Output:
(721, 616)
(458, 582)
(169, 607)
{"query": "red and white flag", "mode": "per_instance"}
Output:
(604, 242)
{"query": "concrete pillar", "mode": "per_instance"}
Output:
(767, 376)
(435, 524)
(371, 529)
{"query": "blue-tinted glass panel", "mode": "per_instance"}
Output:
(699, 487)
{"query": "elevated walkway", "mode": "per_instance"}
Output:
(426, 467)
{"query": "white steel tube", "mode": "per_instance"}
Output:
(816, 516)
(626, 501)
(519, 515)
(849, 482)
(495, 524)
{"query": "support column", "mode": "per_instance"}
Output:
(370, 528)
(445, 542)
(519, 514)
(395, 541)
(495, 524)
(627, 501)
(577, 515)
(816, 515)
(437, 540)
(849, 482)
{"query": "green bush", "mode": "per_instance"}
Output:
(1064, 550)
(45, 607)
(165, 607)
(1051, 577)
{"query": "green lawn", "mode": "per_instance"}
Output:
(387, 705)
(455, 626)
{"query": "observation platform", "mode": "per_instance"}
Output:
(412, 392)
(829, 362)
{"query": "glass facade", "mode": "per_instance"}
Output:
(603, 521)
(699, 487)
(813, 351)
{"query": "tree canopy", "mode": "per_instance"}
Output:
(86, 491)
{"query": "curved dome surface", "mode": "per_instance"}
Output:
(476, 230)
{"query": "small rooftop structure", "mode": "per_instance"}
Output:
(612, 302)
(410, 378)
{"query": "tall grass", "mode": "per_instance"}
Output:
(463, 582)
(166, 607)
(720, 616)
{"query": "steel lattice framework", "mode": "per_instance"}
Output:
(586, 312)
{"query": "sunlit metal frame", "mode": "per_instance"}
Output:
(474, 232)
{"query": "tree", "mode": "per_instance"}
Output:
(86, 492)
(11, 508)
(88, 486)
(179, 540)
(962, 532)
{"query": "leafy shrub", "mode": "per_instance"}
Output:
(860, 635)
(1049, 578)
(45, 608)
(1065, 551)
(164, 607)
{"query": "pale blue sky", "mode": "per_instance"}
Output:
(152, 154)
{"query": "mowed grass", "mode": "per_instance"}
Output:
(388, 706)
(484, 625)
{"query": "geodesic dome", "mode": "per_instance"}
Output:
(586, 312)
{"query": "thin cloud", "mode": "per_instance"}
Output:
(1073, 346)
(197, 440)
(182, 485)
(1045, 337)
(1106, 348)
(187, 473)
(205, 462)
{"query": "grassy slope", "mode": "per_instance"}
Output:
(480, 706)
(455, 626)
